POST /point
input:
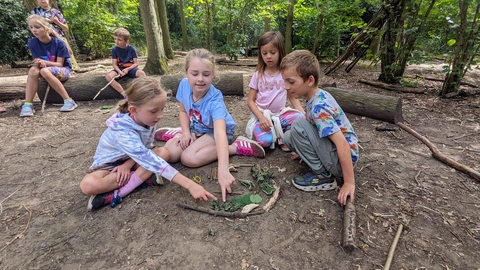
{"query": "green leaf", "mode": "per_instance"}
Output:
(451, 42)
(106, 107)
(255, 198)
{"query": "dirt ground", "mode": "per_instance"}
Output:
(44, 222)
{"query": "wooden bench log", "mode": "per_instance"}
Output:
(83, 88)
(231, 84)
(375, 106)
(9, 92)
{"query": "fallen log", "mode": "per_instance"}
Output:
(391, 87)
(83, 88)
(8, 92)
(439, 156)
(21, 64)
(231, 84)
(440, 80)
(375, 106)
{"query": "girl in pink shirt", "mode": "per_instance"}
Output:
(267, 98)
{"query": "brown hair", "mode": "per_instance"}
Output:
(123, 33)
(304, 62)
(44, 22)
(139, 92)
(276, 38)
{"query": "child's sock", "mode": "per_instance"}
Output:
(28, 103)
(69, 99)
(133, 183)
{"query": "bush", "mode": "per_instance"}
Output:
(13, 25)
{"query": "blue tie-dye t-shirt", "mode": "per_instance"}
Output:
(324, 112)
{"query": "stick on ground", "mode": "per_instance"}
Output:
(45, 98)
(218, 213)
(441, 157)
(391, 252)
(349, 229)
(99, 91)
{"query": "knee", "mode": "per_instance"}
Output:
(85, 185)
(34, 71)
(163, 152)
(140, 73)
(189, 160)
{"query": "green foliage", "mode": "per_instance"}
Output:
(407, 82)
(94, 21)
(236, 203)
(233, 47)
(15, 32)
(264, 178)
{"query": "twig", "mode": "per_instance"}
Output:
(218, 213)
(20, 234)
(439, 156)
(465, 135)
(392, 248)
(45, 98)
(1, 206)
(274, 198)
(99, 91)
(416, 177)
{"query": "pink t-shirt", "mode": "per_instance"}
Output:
(271, 93)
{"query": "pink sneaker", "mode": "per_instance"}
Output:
(285, 148)
(166, 133)
(247, 147)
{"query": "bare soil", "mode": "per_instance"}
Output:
(44, 222)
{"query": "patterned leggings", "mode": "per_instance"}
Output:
(265, 138)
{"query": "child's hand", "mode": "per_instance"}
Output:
(123, 174)
(265, 124)
(198, 192)
(226, 181)
(347, 190)
(185, 140)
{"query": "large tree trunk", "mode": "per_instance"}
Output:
(289, 27)
(463, 47)
(156, 60)
(375, 106)
(389, 40)
(319, 26)
(231, 84)
(163, 22)
(183, 22)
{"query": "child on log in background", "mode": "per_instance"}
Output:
(124, 60)
(124, 158)
(50, 61)
(267, 97)
(325, 140)
(53, 16)
(207, 128)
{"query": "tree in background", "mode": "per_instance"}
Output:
(163, 23)
(156, 60)
(15, 32)
(289, 26)
(465, 46)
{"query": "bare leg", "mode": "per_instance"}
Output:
(32, 83)
(54, 82)
(115, 85)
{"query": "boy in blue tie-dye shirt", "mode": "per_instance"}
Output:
(325, 140)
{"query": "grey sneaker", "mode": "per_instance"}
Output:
(27, 110)
(68, 106)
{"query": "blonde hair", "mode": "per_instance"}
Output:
(123, 33)
(304, 62)
(140, 91)
(46, 24)
(202, 54)
(276, 38)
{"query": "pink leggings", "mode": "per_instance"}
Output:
(265, 138)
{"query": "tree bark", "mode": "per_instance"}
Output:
(375, 106)
(183, 22)
(156, 60)
(9, 92)
(289, 27)
(163, 22)
(231, 84)
(82, 88)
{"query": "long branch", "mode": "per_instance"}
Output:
(219, 213)
(441, 157)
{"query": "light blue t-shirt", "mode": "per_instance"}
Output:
(206, 111)
(324, 112)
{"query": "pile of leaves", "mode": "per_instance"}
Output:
(263, 177)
